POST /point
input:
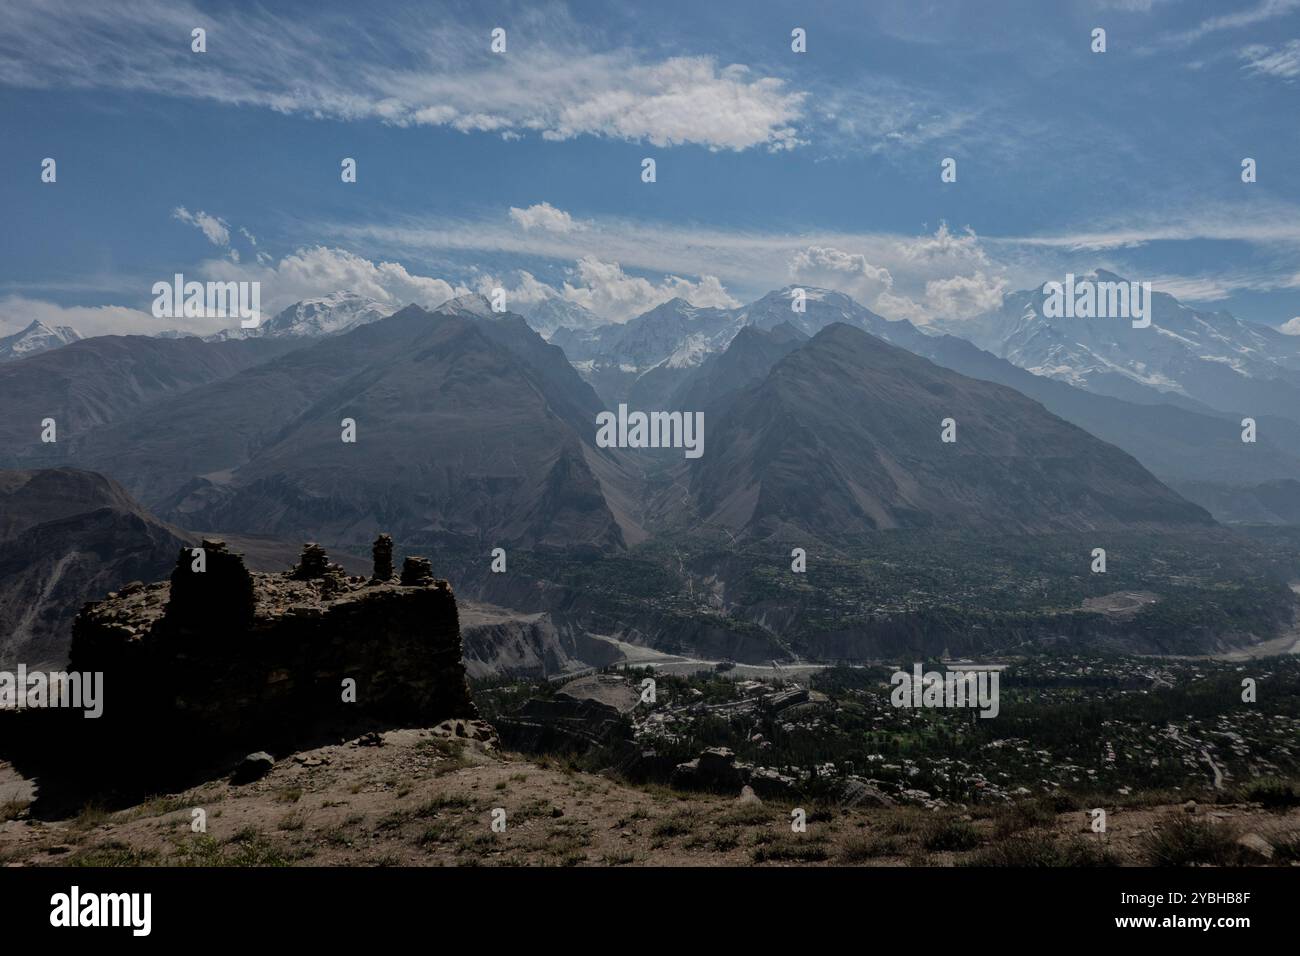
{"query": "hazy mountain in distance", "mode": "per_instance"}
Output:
(555, 312)
(647, 359)
(1174, 442)
(468, 426)
(37, 337)
(821, 307)
(1270, 502)
(326, 315)
(661, 345)
(94, 382)
(843, 437)
(68, 536)
(1211, 358)
(676, 331)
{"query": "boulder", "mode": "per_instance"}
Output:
(770, 783)
(1256, 845)
(253, 767)
(564, 723)
(714, 769)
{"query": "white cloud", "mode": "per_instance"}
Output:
(552, 85)
(1260, 13)
(890, 268)
(544, 216)
(306, 273)
(17, 312)
(1282, 62)
(884, 115)
(527, 290)
(941, 275)
(216, 229)
(960, 297)
(604, 288)
(1291, 327)
(946, 246)
(319, 270)
(846, 272)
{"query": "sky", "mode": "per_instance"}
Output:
(523, 169)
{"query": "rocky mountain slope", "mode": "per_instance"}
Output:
(68, 536)
(1193, 447)
(468, 427)
(843, 436)
(102, 380)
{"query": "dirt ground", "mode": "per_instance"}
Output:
(421, 799)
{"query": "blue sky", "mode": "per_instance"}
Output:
(522, 169)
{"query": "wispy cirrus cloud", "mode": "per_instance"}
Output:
(407, 70)
(629, 266)
(1261, 12)
(215, 228)
(1281, 61)
(559, 79)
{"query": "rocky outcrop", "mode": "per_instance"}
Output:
(222, 652)
(717, 769)
(564, 724)
(714, 769)
(503, 642)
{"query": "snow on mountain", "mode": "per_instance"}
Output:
(647, 357)
(471, 304)
(1211, 358)
(555, 312)
(821, 307)
(653, 336)
(313, 318)
(175, 334)
(37, 337)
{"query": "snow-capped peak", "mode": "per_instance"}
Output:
(37, 337)
(320, 316)
(472, 303)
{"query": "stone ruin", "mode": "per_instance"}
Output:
(417, 572)
(222, 656)
(382, 553)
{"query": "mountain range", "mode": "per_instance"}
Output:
(472, 432)
(496, 443)
(1186, 356)
(468, 427)
(1190, 437)
(843, 436)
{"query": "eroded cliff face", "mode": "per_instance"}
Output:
(237, 655)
